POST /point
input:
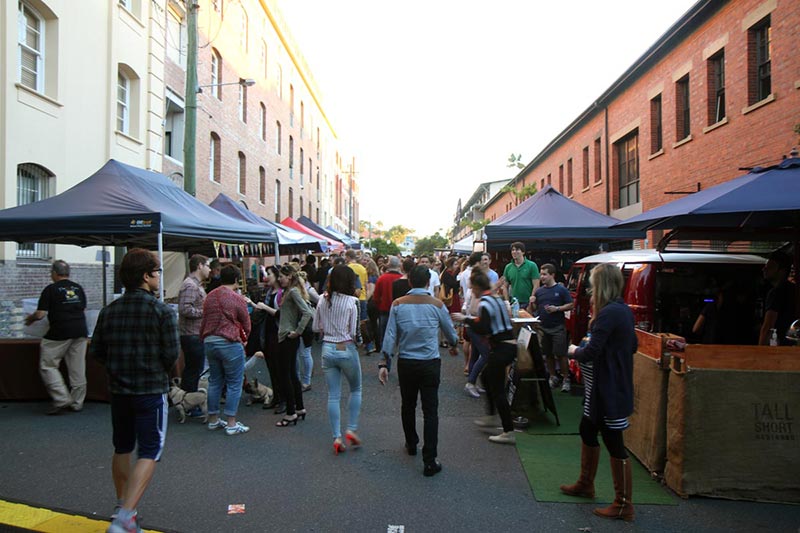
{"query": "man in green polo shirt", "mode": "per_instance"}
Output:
(521, 276)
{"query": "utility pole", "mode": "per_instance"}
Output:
(190, 124)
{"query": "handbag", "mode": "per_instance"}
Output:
(308, 334)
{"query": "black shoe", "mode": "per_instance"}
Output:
(431, 469)
(280, 409)
(410, 450)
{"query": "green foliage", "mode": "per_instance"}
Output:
(515, 161)
(380, 246)
(521, 194)
(478, 224)
(427, 245)
(797, 128)
(397, 234)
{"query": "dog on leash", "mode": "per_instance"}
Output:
(257, 392)
(186, 401)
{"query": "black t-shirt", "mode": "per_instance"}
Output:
(65, 303)
(781, 300)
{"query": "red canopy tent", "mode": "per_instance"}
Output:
(333, 246)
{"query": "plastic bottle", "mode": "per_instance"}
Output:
(514, 308)
(773, 337)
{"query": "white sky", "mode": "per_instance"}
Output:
(432, 96)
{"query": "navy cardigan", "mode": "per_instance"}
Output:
(610, 350)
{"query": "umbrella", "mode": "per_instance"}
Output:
(763, 201)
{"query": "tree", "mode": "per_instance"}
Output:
(475, 225)
(382, 247)
(427, 245)
(521, 194)
(397, 234)
(515, 161)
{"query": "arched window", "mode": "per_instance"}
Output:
(277, 200)
(241, 175)
(243, 31)
(291, 203)
(216, 74)
(278, 137)
(263, 122)
(34, 183)
(264, 59)
(262, 185)
(215, 159)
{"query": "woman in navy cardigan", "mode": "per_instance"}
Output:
(607, 364)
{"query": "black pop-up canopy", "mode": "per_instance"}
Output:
(122, 205)
(549, 216)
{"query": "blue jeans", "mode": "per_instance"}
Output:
(336, 363)
(305, 363)
(480, 344)
(226, 362)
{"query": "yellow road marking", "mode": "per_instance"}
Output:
(47, 521)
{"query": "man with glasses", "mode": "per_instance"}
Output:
(190, 315)
(136, 338)
(64, 302)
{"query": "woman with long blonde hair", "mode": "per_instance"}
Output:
(608, 391)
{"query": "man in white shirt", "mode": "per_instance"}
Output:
(435, 282)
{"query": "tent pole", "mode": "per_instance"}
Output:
(105, 290)
(161, 259)
(277, 253)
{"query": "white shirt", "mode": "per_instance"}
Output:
(433, 284)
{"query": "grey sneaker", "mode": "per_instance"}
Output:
(553, 382)
(488, 421)
(471, 390)
(504, 438)
(566, 387)
(236, 429)
(129, 524)
(218, 424)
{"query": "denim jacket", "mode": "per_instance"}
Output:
(413, 328)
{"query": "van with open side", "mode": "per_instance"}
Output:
(668, 290)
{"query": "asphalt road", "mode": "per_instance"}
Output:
(289, 480)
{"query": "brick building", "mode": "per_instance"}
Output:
(719, 91)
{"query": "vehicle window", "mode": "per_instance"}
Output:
(574, 277)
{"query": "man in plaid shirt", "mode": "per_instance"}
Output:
(190, 315)
(136, 338)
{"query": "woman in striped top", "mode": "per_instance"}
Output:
(336, 319)
(494, 322)
(608, 398)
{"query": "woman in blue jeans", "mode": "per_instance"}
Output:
(224, 330)
(336, 319)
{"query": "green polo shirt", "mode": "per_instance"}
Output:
(521, 279)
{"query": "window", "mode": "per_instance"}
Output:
(561, 178)
(291, 105)
(278, 137)
(759, 55)
(263, 122)
(31, 48)
(280, 82)
(176, 38)
(569, 177)
(301, 206)
(33, 184)
(277, 200)
(214, 159)
(302, 166)
(598, 163)
(264, 59)
(309, 170)
(549, 179)
(216, 74)
(173, 127)
(682, 110)
(243, 30)
(586, 167)
(123, 102)
(291, 203)
(241, 174)
(628, 169)
(242, 101)
(262, 185)
(302, 117)
(656, 137)
(716, 87)
(291, 156)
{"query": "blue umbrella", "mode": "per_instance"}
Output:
(764, 199)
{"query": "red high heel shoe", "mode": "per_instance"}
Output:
(352, 439)
(338, 447)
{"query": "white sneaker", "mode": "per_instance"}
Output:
(488, 421)
(480, 389)
(553, 382)
(218, 424)
(471, 390)
(504, 438)
(236, 429)
(566, 387)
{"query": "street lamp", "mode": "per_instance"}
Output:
(249, 82)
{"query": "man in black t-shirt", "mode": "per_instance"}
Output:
(64, 302)
(779, 307)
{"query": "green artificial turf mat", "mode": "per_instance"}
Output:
(553, 460)
(570, 410)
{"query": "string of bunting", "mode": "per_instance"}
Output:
(236, 251)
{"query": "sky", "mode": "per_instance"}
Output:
(432, 96)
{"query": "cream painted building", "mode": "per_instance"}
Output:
(82, 82)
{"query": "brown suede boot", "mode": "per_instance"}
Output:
(584, 487)
(622, 508)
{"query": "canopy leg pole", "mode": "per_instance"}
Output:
(277, 253)
(105, 290)
(161, 260)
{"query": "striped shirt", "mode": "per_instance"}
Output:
(587, 374)
(492, 319)
(336, 318)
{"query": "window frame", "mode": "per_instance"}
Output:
(656, 124)
(683, 110)
(763, 58)
(41, 188)
(215, 158)
(627, 159)
(23, 46)
(241, 174)
(216, 74)
(123, 105)
(716, 87)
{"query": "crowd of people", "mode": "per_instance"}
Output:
(405, 309)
